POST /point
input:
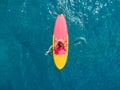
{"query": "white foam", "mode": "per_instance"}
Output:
(83, 39)
(105, 4)
(89, 8)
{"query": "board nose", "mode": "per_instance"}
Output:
(61, 15)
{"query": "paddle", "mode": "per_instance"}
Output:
(74, 42)
(78, 40)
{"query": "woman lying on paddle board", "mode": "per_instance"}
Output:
(61, 44)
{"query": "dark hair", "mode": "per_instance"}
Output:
(60, 44)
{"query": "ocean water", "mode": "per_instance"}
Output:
(26, 28)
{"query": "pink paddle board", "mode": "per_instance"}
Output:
(60, 34)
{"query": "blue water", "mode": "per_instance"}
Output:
(26, 28)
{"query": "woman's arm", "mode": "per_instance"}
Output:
(49, 50)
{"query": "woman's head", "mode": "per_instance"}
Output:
(60, 44)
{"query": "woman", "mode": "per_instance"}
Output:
(60, 45)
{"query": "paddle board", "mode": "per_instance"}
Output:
(60, 34)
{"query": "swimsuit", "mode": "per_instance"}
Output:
(60, 50)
